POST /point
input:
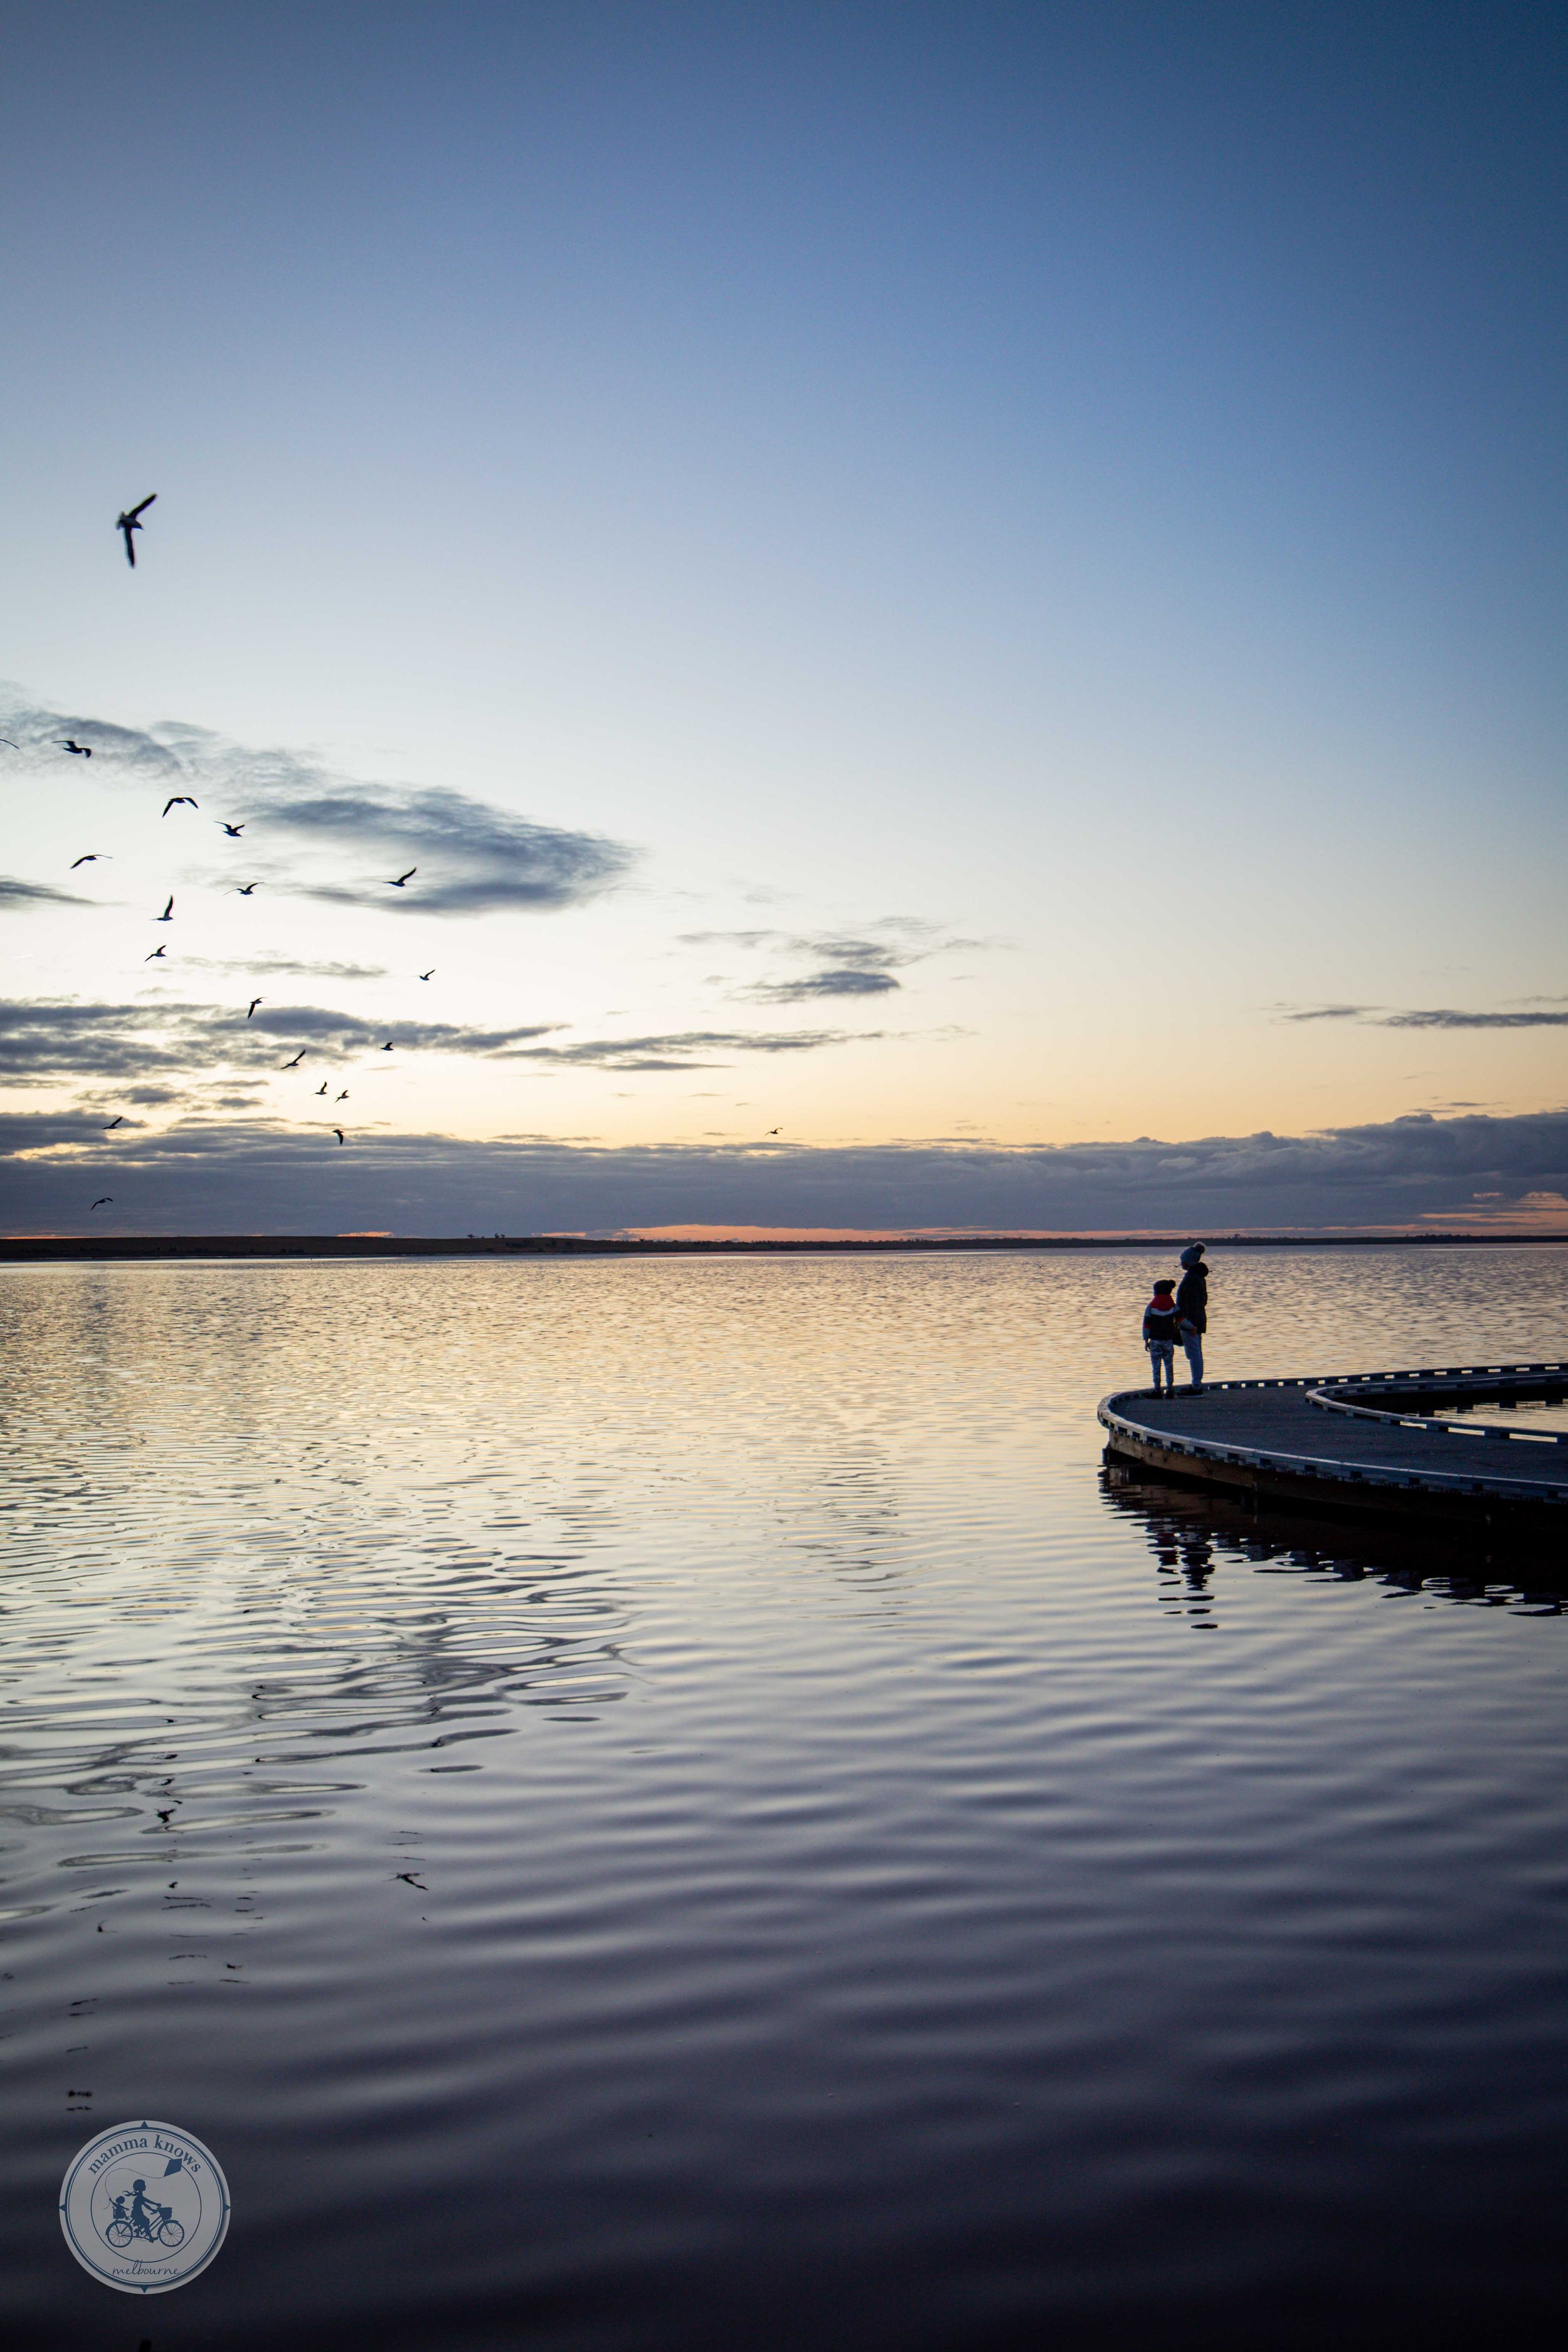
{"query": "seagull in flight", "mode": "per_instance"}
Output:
(404, 878)
(168, 914)
(129, 522)
(339, 1133)
(81, 751)
(180, 800)
(295, 1063)
(106, 1201)
(252, 1005)
(153, 957)
(118, 1121)
(233, 831)
(323, 1088)
(429, 975)
(774, 1131)
(243, 889)
(343, 1097)
(387, 1047)
(91, 859)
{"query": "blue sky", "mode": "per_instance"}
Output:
(1007, 554)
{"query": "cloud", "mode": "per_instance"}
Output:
(690, 1049)
(285, 965)
(320, 835)
(1373, 1016)
(62, 1041)
(847, 964)
(18, 896)
(846, 982)
(1330, 1012)
(255, 1177)
(1442, 1018)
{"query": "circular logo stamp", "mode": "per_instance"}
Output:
(143, 2206)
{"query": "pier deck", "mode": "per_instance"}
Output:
(1371, 1442)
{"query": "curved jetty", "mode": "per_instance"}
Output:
(1363, 1442)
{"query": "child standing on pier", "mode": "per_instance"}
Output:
(1159, 1336)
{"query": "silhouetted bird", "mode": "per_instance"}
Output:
(343, 1097)
(252, 1005)
(323, 1088)
(81, 750)
(168, 914)
(429, 975)
(387, 1047)
(129, 522)
(118, 1121)
(402, 878)
(774, 1131)
(243, 889)
(91, 859)
(295, 1063)
(153, 957)
(105, 1201)
(180, 800)
(339, 1133)
(233, 831)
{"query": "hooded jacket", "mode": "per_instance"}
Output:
(1192, 1296)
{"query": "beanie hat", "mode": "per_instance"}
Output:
(1192, 1254)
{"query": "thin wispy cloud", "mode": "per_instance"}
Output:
(844, 964)
(1373, 1016)
(19, 898)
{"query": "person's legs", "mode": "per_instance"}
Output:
(1193, 1344)
(1162, 1358)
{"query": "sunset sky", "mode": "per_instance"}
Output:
(981, 586)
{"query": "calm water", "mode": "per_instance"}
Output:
(675, 1806)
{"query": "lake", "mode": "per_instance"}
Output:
(650, 1806)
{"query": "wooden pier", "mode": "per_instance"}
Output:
(1375, 1443)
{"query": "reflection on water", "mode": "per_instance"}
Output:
(1190, 1532)
(673, 1805)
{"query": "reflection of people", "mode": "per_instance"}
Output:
(1192, 1310)
(1159, 1336)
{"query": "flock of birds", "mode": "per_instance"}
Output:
(127, 523)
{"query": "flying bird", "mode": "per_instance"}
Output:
(429, 975)
(153, 957)
(402, 878)
(180, 800)
(115, 1122)
(127, 523)
(233, 831)
(252, 1005)
(343, 1097)
(9, 745)
(91, 859)
(168, 914)
(295, 1063)
(105, 1201)
(243, 889)
(323, 1088)
(339, 1133)
(81, 751)
(773, 1131)
(387, 1047)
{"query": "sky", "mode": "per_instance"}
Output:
(979, 586)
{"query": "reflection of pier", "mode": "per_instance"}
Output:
(1374, 1442)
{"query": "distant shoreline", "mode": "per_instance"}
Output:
(23, 1250)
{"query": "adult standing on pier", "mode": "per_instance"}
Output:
(1193, 1308)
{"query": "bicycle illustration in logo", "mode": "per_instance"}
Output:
(138, 2215)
